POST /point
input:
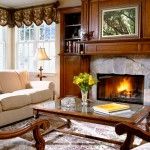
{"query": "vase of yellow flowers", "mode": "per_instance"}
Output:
(85, 81)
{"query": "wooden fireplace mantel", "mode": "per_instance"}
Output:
(116, 47)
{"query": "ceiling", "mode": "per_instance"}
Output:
(23, 3)
(27, 3)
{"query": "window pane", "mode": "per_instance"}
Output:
(41, 34)
(21, 35)
(47, 33)
(52, 32)
(31, 50)
(26, 34)
(35, 37)
(32, 34)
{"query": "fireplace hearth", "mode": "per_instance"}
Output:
(120, 88)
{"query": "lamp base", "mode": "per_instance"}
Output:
(40, 75)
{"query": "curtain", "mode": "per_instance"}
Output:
(27, 16)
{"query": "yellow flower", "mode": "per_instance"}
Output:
(85, 81)
(91, 80)
(78, 80)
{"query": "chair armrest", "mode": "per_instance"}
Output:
(35, 126)
(42, 84)
(132, 130)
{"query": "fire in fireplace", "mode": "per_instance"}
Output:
(121, 88)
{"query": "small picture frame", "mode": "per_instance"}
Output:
(120, 22)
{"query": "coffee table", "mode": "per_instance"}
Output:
(75, 111)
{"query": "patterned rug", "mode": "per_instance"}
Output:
(59, 141)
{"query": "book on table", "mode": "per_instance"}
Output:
(111, 108)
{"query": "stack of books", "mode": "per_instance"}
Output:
(111, 108)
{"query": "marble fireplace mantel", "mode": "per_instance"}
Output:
(135, 65)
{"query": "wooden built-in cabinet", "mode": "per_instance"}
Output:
(92, 11)
(71, 61)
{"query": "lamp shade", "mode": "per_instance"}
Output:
(42, 54)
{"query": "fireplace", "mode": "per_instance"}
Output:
(120, 88)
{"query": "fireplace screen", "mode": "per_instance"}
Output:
(121, 88)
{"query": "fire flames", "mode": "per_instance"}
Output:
(124, 86)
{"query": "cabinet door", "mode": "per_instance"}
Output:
(85, 16)
(89, 17)
(71, 66)
(146, 19)
(93, 19)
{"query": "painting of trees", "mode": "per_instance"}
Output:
(118, 22)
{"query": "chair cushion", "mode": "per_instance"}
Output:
(145, 146)
(24, 78)
(11, 101)
(9, 81)
(37, 95)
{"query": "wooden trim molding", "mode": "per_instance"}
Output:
(27, 16)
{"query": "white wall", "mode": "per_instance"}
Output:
(69, 3)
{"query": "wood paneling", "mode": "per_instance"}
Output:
(71, 68)
(130, 45)
(118, 48)
(94, 19)
(90, 48)
(85, 16)
(146, 18)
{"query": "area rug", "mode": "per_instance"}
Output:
(59, 141)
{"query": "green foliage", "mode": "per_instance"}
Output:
(119, 22)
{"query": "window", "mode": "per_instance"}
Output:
(28, 40)
(2, 47)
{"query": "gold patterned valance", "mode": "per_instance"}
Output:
(3, 17)
(27, 16)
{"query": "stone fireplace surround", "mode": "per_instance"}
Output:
(135, 65)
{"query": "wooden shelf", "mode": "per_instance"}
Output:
(73, 25)
(70, 39)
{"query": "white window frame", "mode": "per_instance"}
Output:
(37, 43)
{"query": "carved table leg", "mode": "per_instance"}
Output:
(35, 113)
(68, 123)
(40, 143)
(147, 123)
(128, 142)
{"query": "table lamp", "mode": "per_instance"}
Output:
(42, 56)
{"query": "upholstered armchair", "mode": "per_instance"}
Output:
(132, 131)
(34, 126)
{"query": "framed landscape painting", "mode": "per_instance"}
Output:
(120, 22)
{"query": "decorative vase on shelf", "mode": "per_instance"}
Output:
(84, 97)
